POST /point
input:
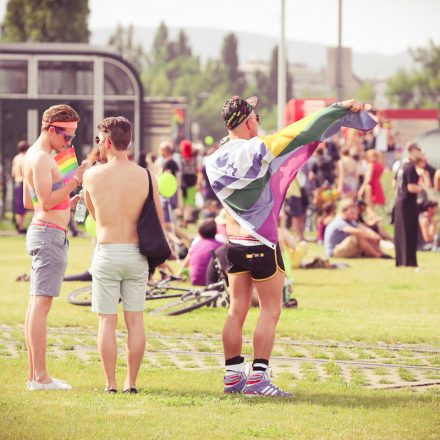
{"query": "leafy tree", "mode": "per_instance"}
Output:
(160, 43)
(365, 93)
(401, 89)
(160, 85)
(262, 81)
(269, 118)
(214, 75)
(258, 86)
(182, 45)
(46, 21)
(173, 69)
(272, 83)
(427, 79)
(421, 86)
(122, 40)
(229, 57)
(207, 113)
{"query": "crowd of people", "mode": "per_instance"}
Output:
(256, 203)
(337, 199)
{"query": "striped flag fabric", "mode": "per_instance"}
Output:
(67, 163)
(251, 177)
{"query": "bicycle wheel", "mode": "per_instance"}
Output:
(81, 297)
(165, 293)
(189, 302)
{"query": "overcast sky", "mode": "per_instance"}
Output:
(384, 26)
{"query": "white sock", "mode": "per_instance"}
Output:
(236, 368)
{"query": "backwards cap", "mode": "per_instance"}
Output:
(237, 109)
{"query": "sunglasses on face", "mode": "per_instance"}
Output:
(67, 137)
(257, 118)
(98, 140)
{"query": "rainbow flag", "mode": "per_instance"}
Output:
(67, 163)
(251, 177)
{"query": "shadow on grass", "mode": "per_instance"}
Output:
(363, 398)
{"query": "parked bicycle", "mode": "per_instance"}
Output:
(184, 299)
(189, 299)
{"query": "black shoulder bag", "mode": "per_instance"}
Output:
(152, 241)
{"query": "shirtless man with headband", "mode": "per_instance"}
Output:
(46, 239)
(250, 176)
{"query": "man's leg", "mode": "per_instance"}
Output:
(369, 247)
(36, 324)
(240, 289)
(20, 221)
(383, 233)
(135, 346)
(298, 227)
(270, 293)
(107, 347)
(259, 382)
(27, 337)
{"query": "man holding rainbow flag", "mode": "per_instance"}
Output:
(48, 181)
(250, 176)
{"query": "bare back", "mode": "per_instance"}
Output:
(118, 191)
(234, 229)
(17, 168)
(350, 166)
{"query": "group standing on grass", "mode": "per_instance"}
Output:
(249, 175)
(118, 269)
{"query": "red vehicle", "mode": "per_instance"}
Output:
(296, 109)
(407, 124)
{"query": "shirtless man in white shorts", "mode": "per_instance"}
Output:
(115, 193)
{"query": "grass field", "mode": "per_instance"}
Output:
(371, 302)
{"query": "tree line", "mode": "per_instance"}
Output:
(169, 67)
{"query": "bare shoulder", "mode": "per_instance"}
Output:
(139, 171)
(38, 158)
(93, 172)
(90, 172)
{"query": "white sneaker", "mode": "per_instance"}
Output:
(54, 385)
(58, 380)
(386, 245)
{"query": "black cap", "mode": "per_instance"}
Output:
(237, 109)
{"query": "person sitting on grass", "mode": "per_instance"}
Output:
(200, 253)
(328, 214)
(428, 226)
(210, 209)
(373, 221)
(345, 238)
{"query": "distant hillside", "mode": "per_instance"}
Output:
(206, 43)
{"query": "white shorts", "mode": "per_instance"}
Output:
(119, 272)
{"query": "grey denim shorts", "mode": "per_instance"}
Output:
(48, 248)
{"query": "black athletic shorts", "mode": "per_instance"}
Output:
(261, 261)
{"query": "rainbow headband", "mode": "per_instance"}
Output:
(68, 124)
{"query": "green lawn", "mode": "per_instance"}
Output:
(369, 302)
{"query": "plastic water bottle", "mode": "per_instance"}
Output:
(81, 209)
